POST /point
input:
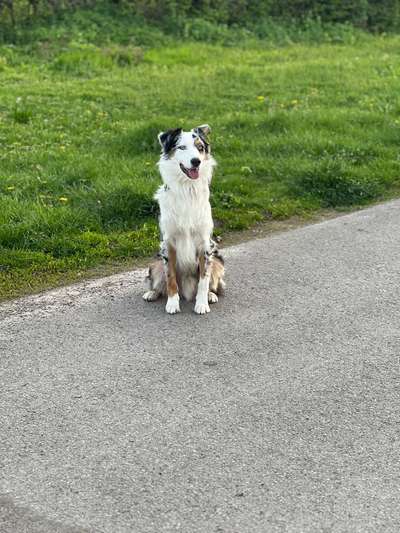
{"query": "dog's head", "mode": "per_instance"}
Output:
(188, 150)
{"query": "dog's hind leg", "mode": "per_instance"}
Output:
(217, 284)
(156, 282)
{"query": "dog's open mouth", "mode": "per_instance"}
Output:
(192, 173)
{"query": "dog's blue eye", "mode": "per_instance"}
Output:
(182, 147)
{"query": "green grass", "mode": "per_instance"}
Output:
(295, 129)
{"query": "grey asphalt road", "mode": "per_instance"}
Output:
(278, 412)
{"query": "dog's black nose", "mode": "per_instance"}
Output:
(195, 162)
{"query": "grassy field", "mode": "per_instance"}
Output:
(295, 129)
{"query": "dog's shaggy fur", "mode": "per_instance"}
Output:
(189, 262)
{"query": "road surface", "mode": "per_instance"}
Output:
(277, 412)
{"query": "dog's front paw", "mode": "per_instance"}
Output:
(172, 306)
(201, 308)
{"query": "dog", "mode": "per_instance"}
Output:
(189, 263)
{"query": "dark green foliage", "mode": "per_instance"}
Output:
(353, 11)
(175, 17)
(383, 14)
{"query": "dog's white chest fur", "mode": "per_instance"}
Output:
(185, 213)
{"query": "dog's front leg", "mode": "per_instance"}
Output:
(201, 307)
(172, 306)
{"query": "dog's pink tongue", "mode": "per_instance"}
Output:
(193, 173)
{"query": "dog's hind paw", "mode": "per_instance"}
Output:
(201, 308)
(150, 296)
(172, 306)
(212, 298)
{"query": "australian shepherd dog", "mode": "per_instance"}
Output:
(188, 263)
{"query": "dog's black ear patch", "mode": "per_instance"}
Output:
(168, 139)
(202, 132)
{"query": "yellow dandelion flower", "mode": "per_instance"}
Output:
(10, 188)
(63, 199)
(294, 102)
(261, 98)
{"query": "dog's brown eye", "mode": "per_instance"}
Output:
(200, 148)
(182, 147)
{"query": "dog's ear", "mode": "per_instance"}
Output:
(203, 130)
(168, 139)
